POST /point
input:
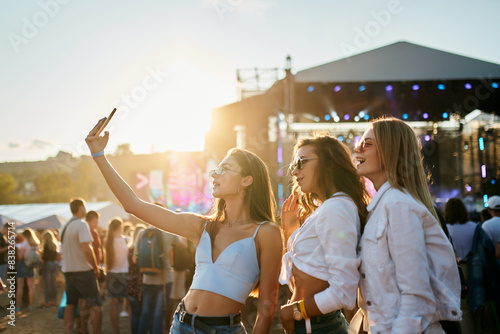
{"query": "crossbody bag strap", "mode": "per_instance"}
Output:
(66, 227)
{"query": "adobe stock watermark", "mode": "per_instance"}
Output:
(31, 26)
(224, 6)
(363, 36)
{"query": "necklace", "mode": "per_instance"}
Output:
(240, 222)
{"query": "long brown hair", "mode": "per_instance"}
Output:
(49, 241)
(335, 172)
(400, 157)
(259, 198)
(114, 225)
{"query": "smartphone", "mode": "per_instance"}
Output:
(105, 123)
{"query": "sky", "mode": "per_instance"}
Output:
(64, 64)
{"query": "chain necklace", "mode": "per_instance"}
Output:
(240, 222)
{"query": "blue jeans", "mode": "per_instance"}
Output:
(135, 316)
(182, 328)
(50, 271)
(153, 308)
(329, 323)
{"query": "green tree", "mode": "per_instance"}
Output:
(55, 187)
(7, 188)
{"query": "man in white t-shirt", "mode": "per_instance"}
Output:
(80, 268)
(492, 226)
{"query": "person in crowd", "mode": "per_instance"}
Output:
(3, 250)
(492, 225)
(321, 265)
(238, 246)
(80, 268)
(409, 276)
(128, 230)
(23, 271)
(134, 284)
(461, 231)
(156, 288)
(117, 269)
(179, 289)
(51, 258)
(485, 215)
(92, 218)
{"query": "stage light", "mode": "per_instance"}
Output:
(346, 117)
(427, 138)
(362, 88)
(337, 88)
(494, 85)
(481, 144)
(485, 200)
(468, 188)
(493, 181)
(356, 118)
(341, 138)
(362, 113)
(405, 116)
(483, 171)
(445, 115)
(425, 115)
(468, 86)
(327, 117)
(415, 87)
(356, 139)
(336, 119)
(366, 117)
(310, 88)
(388, 88)
(441, 87)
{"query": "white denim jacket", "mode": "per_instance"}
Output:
(409, 276)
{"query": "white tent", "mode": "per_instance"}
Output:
(50, 222)
(37, 211)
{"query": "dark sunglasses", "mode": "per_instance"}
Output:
(299, 164)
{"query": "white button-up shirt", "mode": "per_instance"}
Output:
(409, 276)
(325, 247)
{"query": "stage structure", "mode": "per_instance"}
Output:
(452, 101)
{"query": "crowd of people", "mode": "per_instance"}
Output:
(387, 264)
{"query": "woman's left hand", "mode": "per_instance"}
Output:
(286, 318)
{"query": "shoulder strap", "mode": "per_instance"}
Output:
(257, 229)
(66, 226)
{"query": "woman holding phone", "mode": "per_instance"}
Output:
(238, 245)
(322, 222)
(410, 280)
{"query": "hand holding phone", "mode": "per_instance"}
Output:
(105, 123)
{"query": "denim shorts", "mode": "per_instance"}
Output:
(82, 284)
(182, 328)
(24, 271)
(116, 284)
(330, 323)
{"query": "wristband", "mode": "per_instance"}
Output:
(97, 154)
(302, 307)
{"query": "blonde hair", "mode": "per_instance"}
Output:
(114, 225)
(399, 154)
(31, 237)
(49, 241)
(335, 172)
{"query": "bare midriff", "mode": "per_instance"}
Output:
(305, 286)
(206, 303)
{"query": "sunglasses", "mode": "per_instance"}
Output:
(220, 170)
(362, 145)
(299, 164)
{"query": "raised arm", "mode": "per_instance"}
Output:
(187, 225)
